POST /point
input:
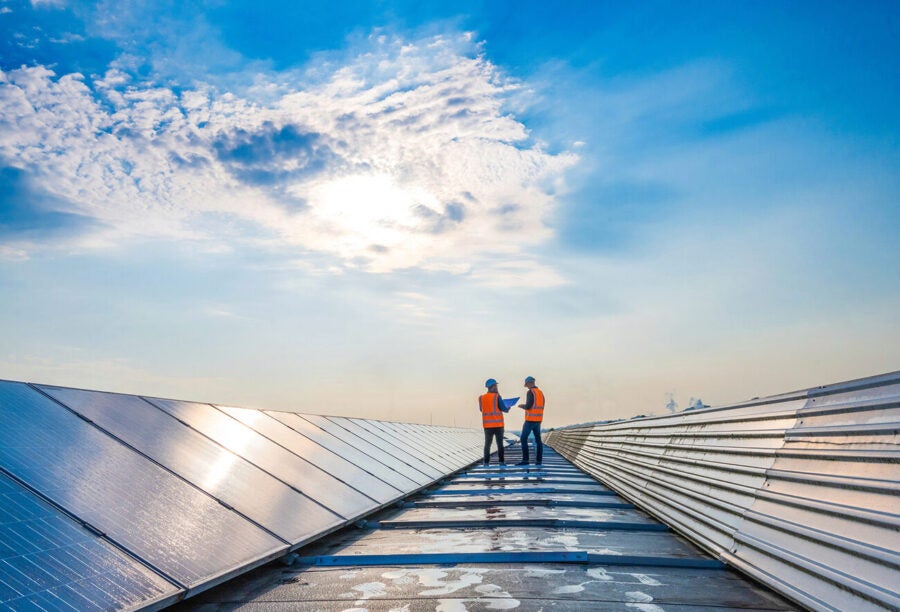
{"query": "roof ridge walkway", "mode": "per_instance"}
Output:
(499, 538)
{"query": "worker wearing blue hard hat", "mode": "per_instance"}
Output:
(491, 406)
(534, 415)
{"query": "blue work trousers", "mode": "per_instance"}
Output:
(532, 427)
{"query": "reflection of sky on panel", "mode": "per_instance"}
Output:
(201, 462)
(366, 445)
(342, 448)
(317, 455)
(218, 470)
(269, 456)
(146, 509)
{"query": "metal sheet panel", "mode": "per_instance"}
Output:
(47, 560)
(390, 445)
(360, 439)
(145, 509)
(345, 450)
(378, 490)
(798, 490)
(207, 465)
(302, 475)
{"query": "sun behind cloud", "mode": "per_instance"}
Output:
(405, 156)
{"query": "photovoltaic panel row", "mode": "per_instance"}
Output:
(338, 467)
(257, 495)
(278, 461)
(437, 442)
(341, 447)
(361, 440)
(189, 494)
(449, 442)
(362, 430)
(426, 445)
(48, 561)
(181, 532)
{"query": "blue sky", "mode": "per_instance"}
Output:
(369, 208)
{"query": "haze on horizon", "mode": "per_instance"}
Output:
(369, 208)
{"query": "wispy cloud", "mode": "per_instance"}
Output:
(404, 157)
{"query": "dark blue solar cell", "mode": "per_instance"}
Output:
(206, 464)
(48, 560)
(146, 510)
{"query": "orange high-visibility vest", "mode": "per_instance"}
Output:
(491, 415)
(536, 412)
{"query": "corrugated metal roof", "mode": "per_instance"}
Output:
(499, 538)
(799, 490)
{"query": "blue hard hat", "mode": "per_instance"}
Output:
(529, 379)
(490, 382)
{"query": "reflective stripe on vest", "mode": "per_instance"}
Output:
(491, 416)
(536, 412)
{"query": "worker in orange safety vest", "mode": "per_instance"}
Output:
(492, 408)
(534, 415)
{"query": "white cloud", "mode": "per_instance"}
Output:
(404, 157)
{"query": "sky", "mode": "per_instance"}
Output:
(368, 208)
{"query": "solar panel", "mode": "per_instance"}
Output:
(269, 456)
(161, 519)
(363, 443)
(238, 483)
(49, 560)
(344, 449)
(319, 456)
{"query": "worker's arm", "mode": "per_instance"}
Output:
(503, 407)
(529, 401)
